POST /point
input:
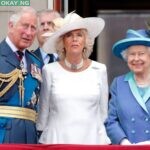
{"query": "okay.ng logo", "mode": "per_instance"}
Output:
(14, 2)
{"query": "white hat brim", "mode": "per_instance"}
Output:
(94, 26)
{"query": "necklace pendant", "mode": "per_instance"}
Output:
(73, 67)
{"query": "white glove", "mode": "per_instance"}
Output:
(125, 142)
(143, 143)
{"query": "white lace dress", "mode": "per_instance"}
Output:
(73, 105)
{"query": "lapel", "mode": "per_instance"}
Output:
(11, 57)
(29, 61)
(37, 52)
(147, 95)
(134, 90)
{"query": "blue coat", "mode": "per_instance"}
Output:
(14, 130)
(37, 52)
(129, 113)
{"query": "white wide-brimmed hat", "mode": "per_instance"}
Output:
(72, 21)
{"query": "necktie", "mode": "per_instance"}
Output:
(20, 55)
(51, 56)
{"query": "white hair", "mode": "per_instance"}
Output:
(17, 15)
(124, 53)
(51, 12)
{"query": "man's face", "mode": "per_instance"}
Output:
(45, 24)
(22, 33)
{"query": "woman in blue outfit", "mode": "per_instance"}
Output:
(128, 120)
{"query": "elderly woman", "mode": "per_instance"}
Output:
(74, 91)
(129, 107)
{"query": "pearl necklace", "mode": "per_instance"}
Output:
(142, 84)
(74, 66)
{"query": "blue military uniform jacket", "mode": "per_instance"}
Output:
(39, 55)
(13, 130)
(129, 113)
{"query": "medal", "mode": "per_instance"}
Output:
(36, 72)
(23, 69)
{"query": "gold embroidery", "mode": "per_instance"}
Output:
(11, 78)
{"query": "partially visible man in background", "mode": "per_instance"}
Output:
(19, 79)
(45, 24)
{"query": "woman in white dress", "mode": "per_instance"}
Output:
(74, 92)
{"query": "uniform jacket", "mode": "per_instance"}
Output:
(9, 62)
(37, 52)
(129, 113)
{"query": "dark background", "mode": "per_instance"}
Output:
(90, 7)
(116, 31)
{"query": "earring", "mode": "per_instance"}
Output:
(63, 50)
(84, 50)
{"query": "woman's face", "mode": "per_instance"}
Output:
(74, 42)
(138, 59)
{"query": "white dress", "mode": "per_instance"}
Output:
(73, 105)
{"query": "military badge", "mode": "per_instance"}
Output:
(36, 72)
(23, 69)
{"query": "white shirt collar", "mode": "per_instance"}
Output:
(44, 54)
(11, 45)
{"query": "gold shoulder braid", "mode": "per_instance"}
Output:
(11, 78)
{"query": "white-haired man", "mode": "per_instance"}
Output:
(19, 80)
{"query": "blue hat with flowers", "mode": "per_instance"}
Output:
(133, 37)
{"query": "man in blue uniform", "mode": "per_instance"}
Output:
(19, 80)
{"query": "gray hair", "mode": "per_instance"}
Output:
(49, 11)
(124, 53)
(88, 49)
(17, 15)
(52, 12)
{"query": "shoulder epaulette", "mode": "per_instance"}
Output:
(10, 78)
